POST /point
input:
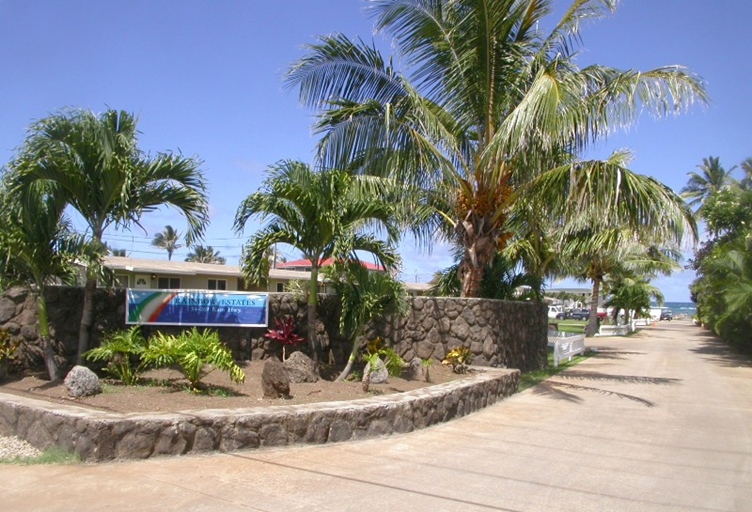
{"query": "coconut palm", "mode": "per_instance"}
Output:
(322, 215)
(746, 181)
(167, 240)
(491, 102)
(631, 292)
(93, 163)
(711, 179)
(205, 254)
(37, 247)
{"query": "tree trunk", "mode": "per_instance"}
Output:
(472, 278)
(592, 326)
(313, 292)
(87, 318)
(48, 353)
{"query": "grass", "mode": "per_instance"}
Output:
(530, 379)
(52, 455)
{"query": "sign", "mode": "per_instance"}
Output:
(196, 308)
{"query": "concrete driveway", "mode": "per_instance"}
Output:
(661, 421)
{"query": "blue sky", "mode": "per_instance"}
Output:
(205, 78)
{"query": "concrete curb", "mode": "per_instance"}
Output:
(98, 436)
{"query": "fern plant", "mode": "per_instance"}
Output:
(195, 353)
(123, 351)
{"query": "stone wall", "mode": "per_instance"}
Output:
(499, 333)
(98, 435)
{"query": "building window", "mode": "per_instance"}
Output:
(168, 283)
(217, 284)
(121, 281)
(280, 287)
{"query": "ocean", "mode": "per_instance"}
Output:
(681, 308)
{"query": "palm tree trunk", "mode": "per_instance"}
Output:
(48, 352)
(472, 279)
(592, 326)
(87, 318)
(313, 292)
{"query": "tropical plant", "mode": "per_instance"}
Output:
(93, 163)
(364, 295)
(168, 240)
(392, 361)
(205, 254)
(613, 250)
(37, 247)
(458, 358)
(711, 179)
(8, 346)
(494, 112)
(123, 351)
(195, 353)
(631, 293)
(285, 334)
(500, 281)
(322, 215)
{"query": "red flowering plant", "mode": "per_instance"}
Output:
(284, 333)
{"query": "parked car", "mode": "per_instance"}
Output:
(579, 314)
(667, 314)
(555, 311)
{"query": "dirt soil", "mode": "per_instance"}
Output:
(166, 390)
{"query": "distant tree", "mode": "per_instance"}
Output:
(93, 164)
(711, 179)
(205, 254)
(115, 252)
(167, 240)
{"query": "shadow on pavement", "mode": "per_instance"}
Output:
(720, 353)
(632, 379)
(552, 388)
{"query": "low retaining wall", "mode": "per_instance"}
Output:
(98, 436)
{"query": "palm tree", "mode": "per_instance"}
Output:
(615, 250)
(631, 292)
(746, 181)
(364, 295)
(167, 240)
(322, 215)
(491, 103)
(37, 247)
(711, 179)
(93, 163)
(205, 254)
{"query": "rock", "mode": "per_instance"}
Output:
(300, 368)
(416, 370)
(378, 375)
(274, 380)
(81, 381)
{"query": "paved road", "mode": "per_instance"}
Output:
(661, 421)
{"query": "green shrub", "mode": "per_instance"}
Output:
(194, 353)
(123, 351)
(458, 358)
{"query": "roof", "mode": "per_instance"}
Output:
(305, 263)
(189, 268)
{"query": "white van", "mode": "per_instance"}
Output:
(555, 310)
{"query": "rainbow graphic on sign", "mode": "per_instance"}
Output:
(196, 308)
